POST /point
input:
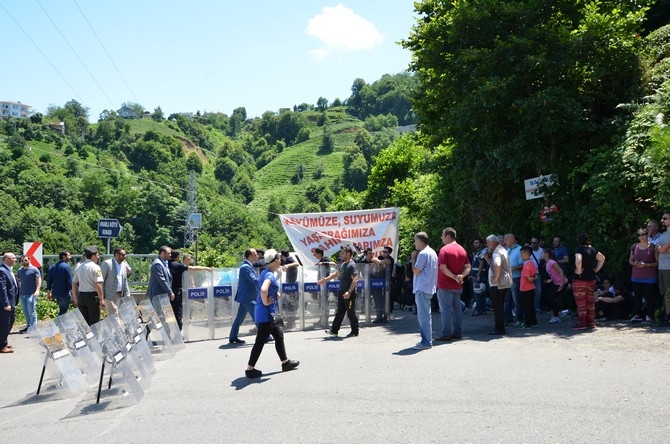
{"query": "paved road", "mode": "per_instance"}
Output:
(545, 385)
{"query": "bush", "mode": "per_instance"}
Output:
(46, 310)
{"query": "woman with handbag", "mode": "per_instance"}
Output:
(643, 259)
(500, 280)
(267, 321)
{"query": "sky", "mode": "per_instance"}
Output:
(197, 55)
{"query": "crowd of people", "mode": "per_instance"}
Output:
(515, 281)
(519, 281)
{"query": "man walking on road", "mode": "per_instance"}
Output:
(247, 290)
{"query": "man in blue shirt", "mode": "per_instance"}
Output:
(247, 289)
(30, 281)
(425, 285)
(59, 282)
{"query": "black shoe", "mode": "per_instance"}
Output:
(23, 331)
(236, 341)
(352, 335)
(289, 365)
(253, 374)
(455, 337)
(493, 331)
(331, 333)
(444, 338)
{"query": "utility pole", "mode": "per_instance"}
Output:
(190, 235)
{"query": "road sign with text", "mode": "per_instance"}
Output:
(109, 228)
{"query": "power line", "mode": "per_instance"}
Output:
(75, 53)
(106, 52)
(43, 55)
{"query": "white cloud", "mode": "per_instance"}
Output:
(340, 28)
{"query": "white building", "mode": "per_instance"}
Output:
(15, 109)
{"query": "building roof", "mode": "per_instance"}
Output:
(15, 103)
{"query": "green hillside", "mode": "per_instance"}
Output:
(275, 178)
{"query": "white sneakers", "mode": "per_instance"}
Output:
(554, 320)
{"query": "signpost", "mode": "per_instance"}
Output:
(195, 222)
(109, 228)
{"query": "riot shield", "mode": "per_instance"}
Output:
(124, 385)
(61, 375)
(132, 327)
(82, 344)
(165, 313)
(155, 334)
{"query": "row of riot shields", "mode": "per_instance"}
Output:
(209, 305)
(115, 356)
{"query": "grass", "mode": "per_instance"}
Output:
(274, 179)
(144, 125)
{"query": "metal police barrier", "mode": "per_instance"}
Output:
(208, 303)
(209, 300)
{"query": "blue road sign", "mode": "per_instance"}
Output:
(109, 228)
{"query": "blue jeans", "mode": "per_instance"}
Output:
(537, 302)
(512, 303)
(423, 305)
(29, 307)
(63, 304)
(242, 310)
(450, 311)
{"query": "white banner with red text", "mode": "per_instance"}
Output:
(330, 232)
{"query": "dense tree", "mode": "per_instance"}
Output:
(327, 141)
(73, 114)
(512, 90)
(243, 186)
(355, 172)
(322, 104)
(158, 115)
(194, 163)
(388, 95)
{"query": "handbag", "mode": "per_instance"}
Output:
(276, 320)
(505, 280)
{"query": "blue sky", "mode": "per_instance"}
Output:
(197, 55)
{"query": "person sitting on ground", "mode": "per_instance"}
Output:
(612, 302)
